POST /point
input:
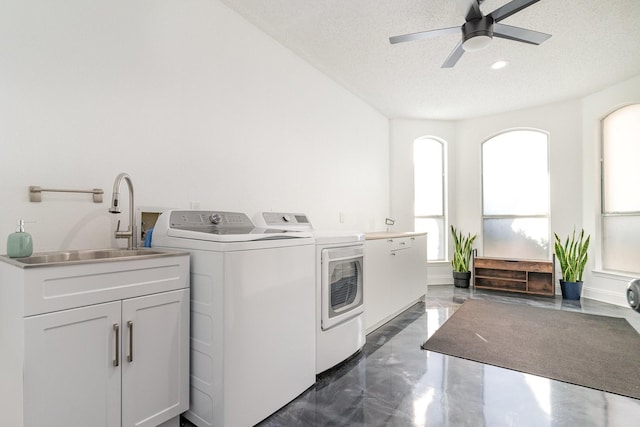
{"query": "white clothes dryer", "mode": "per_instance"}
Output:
(339, 260)
(252, 314)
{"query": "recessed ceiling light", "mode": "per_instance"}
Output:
(499, 64)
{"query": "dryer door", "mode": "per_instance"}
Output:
(342, 297)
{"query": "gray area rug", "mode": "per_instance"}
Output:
(599, 352)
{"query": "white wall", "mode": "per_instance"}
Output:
(601, 285)
(193, 102)
(464, 139)
(402, 135)
(574, 130)
(562, 121)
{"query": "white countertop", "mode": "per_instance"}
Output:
(373, 235)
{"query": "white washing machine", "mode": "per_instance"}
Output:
(252, 314)
(339, 259)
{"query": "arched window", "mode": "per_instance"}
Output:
(515, 195)
(429, 194)
(620, 192)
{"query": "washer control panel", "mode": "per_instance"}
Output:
(212, 221)
(274, 219)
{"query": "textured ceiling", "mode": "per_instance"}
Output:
(594, 44)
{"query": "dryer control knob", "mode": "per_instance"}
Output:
(286, 218)
(215, 218)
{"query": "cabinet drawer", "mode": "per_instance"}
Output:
(400, 243)
(51, 289)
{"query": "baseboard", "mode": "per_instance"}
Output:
(393, 315)
(440, 279)
(615, 298)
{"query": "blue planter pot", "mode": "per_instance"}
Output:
(571, 290)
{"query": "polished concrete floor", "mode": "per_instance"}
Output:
(392, 382)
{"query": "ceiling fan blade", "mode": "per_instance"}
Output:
(470, 9)
(453, 57)
(510, 8)
(519, 34)
(424, 35)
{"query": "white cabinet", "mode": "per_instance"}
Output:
(69, 377)
(121, 362)
(395, 275)
(154, 355)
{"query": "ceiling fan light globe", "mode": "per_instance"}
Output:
(474, 43)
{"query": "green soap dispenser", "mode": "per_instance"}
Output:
(19, 244)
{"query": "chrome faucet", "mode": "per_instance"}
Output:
(130, 234)
(389, 222)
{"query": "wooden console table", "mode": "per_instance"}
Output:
(515, 275)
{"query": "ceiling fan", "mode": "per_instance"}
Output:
(479, 29)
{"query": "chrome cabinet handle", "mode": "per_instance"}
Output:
(116, 328)
(130, 356)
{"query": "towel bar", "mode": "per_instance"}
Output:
(35, 193)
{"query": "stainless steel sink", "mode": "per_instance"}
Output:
(86, 256)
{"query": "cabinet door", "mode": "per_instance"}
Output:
(378, 282)
(155, 352)
(69, 375)
(412, 270)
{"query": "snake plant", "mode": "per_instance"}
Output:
(572, 255)
(463, 245)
